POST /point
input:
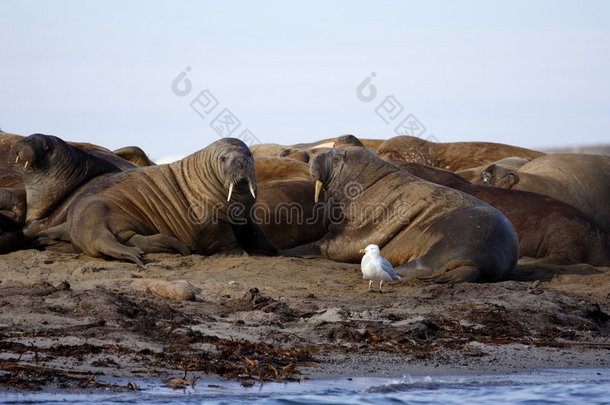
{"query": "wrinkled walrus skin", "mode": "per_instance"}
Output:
(580, 180)
(429, 231)
(548, 229)
(452, 156)
(179, 207)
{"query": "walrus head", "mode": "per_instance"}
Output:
(34, 151)
(52, 169)
(347, 141)
(236, 167)
(337, 168)
(498, 176)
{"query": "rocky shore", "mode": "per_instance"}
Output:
(73, 322)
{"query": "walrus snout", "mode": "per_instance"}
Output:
(239, 173)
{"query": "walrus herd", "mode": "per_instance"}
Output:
(443, 212)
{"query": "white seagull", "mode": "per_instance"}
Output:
(374, 267)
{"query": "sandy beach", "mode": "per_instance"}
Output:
(67, 320)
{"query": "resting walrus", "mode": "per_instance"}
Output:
(200, 203)
(430, 231)
(580, 180)
(52, 170)
(547, 228)
(453, 156)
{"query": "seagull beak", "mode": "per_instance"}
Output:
(362, 251)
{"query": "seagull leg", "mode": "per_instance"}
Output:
(370, 283)
(380, 284)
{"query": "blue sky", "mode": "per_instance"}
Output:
(530, 73)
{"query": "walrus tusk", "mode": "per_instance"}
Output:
(251, 188)
(230, 192)
(27, 162)
(16, 158)
(316, 196)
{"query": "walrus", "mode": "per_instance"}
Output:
(12, 210)
(300, 155)
(548, 229)
(52, 170)
(330, 142)
(135, 155)
(510, 163)
(452, 156)
(580, 180)
(12, 195)
(200, 203)
(285, 206)
(8, 140)
(429, 231)
(267, 150)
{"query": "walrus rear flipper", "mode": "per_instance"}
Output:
(100, 241)
(159, 243)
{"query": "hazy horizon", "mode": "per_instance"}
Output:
(530, 73)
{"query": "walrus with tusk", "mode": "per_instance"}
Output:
(200, 203)
(430, 231)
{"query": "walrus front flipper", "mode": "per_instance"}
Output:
(253, 240)
(159, 243)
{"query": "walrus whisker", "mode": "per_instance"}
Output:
(319, 185)
(230, 192)
(251, 188)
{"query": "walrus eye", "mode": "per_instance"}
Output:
(223, 159)
(486, 177)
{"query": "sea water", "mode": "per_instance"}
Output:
(572, 386)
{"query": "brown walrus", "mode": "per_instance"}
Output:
(547, 228)
(452, 156)
(12, 210)
(52, 170)
(285, 206)
(330, 142)
(12, 195)
(8, 140)
(580, 180)
(200, 203)
(429, 231)
(135, 155)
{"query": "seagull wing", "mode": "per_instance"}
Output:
(388, 268)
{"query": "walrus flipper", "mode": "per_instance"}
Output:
(159, 243)
(56, 239)
(307, 251)
(101, 241)
(253, 240)
(462, 274)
